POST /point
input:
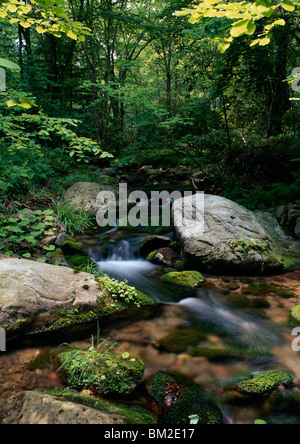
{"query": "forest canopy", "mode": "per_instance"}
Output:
(139, 83)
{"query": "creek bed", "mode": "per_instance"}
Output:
(193, 333)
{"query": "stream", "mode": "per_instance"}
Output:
(209, 318)
(262, 333)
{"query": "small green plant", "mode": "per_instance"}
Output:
(120, 290)
(91, 268)
(22, 232)
(73, 221)
(99, 368)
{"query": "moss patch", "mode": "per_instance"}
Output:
(295, 314)
(103, 372)
(264, 382)
(184, 278)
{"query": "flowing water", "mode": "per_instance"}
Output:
(229, 326)
(184, 312)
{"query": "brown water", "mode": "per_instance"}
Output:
(216, 308)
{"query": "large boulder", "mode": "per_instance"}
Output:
(68, 407)
(37, 298)
(233, 239)
(84, 196)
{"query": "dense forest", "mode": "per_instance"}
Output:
(148, 86)
(193, 325)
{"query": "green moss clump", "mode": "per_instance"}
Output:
(184, 278)
(71, 248)
(295, 314)
(151, 256)
(78, 260)
(264, 382)
(104, 372)
(123, 293)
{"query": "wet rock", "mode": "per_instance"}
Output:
(163, 256)
(179, 398)
(37, 297)
(153, 243)
(185, 278)
(232, 239)
(67, 407)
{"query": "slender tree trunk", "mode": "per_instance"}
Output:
(278, 97)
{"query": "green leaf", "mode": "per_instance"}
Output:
(240, 28)
(50, 248)
(288, 6)
(9, 65)
(125, 355)
(26, 255)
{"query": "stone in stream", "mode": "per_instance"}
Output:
(153, 243)
(68, 407)
(41, 298)
(234, 239)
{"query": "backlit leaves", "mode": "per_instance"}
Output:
(244, 16)
(50, 16)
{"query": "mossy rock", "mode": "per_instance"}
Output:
(192, 400)
(181, 339)
(71, 248)
(78, 260)
(56, 301)
(264, 382)
(184, 278)
(104, 372)
(162, 380)
(295, 315)
(67, 406)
